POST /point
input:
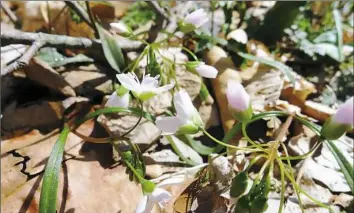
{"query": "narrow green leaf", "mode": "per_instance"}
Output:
(270, 62)
(346, 167)
(111, 49)
(186, 153)
(199, 147)
(47, 203)
(338, 21)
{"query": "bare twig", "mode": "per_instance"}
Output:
(18, 37)
(62, 41)
(80, 12)
(11, 15)
(155, 6)
(92, 18)
(24, 60)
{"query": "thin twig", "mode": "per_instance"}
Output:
(80, 12)
(161, 17)
(24, 60)
(62, 41)
(92, 18)
(11, 15)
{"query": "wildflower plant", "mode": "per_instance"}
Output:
(185, 120)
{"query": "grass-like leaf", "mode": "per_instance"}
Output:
(345, 166)
(111, 49)
(270, 62)
(47, 203)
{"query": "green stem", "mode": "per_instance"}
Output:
(227, 145)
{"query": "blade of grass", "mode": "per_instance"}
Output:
(48, 198)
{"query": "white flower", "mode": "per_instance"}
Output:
(239, 101)
(238, 35)
(187, 120)
(237, 96)
(120, 27)
(159, 196)
(197, 18)
(206, 70)
(145, 90)
(118, 101)
(202, 69)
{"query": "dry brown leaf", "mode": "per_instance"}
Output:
(44, 116)
(86, 79)
(88, 183)
(30, 138)
(318, 111)
(40, 72)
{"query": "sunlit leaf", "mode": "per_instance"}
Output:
(111, 49)
(48, 199)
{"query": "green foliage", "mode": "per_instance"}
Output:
(48, 199)
(138, 14)
(239, 184)
(111, 49)
(54, 59)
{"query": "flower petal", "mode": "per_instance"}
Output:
(183, 105)
(164, 88)
(168, 125)
(197, 18)
(142, 206)
(118, 101)
(237, 96)
(206, 70)
(160, 196)
(344, 114)
(149, 83)
(129, 81)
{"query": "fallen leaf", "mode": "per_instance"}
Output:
(40, 72)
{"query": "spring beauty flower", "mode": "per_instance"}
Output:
(187, 120)
(202, 69)
(340, 122)
(144, 90)
(239, 101)
(193, 21)
(157, 196)
(116, 100)
(160, 196)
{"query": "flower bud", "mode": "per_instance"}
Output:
(340, 122)
(202, 69)
(239, 101)
(193, 21)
